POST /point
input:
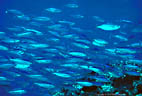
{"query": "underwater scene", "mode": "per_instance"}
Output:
(70, 48)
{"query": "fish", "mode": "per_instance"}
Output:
(121, 37)
(2, 34)
(37, 77)
(35, 46)
(23, 17)
(43, 61)
(71, 5)
(16, 28)
(77, 16)
(77, 54)
(99, 42)
(24, 34)
(14, 12)
(20, 61)
(4, 48)
(133, 73)
(17, 92)
(83, 83)
(53, 10)
(62, 75)
(100, 78)
(6, 66)
(3, 78)
(80, 45)
(98, 19)
(10, 40)
(41, 18)
(66, 22)
(45, 85)
(109, 27)
(129, 66)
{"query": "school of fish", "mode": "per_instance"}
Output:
(41, 54)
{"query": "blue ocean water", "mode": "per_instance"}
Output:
(70, 47)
